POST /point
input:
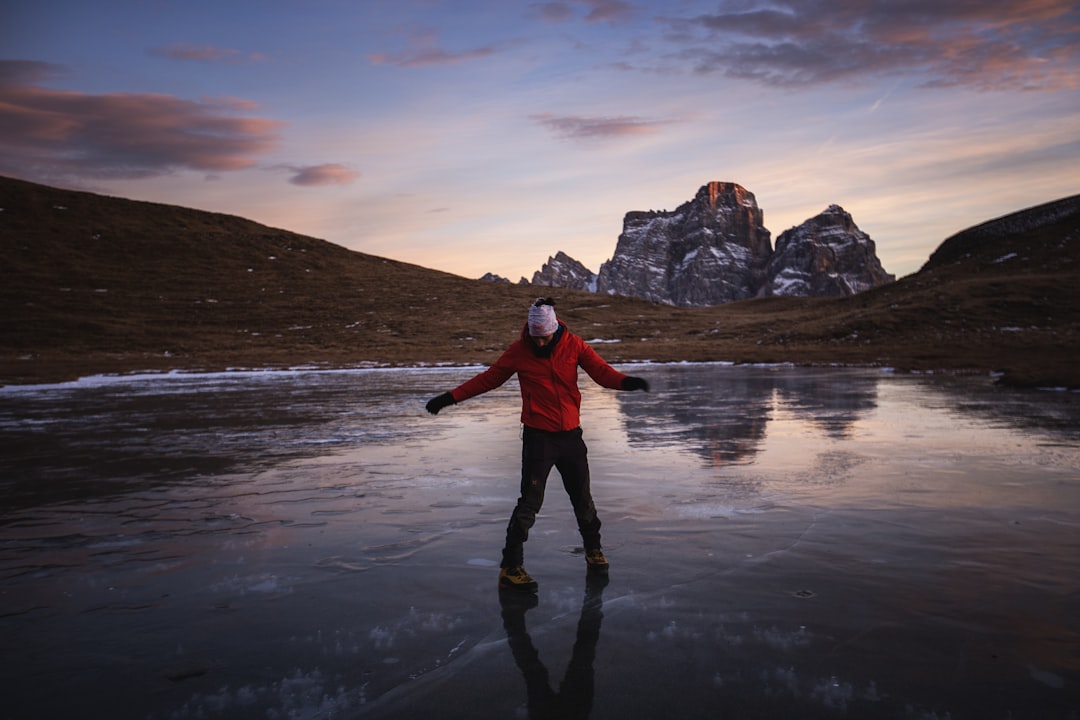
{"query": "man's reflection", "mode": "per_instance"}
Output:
(575, 696)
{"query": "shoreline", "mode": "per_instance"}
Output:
(120, 376)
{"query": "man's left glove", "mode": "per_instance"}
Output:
(435, 404)
(635, 383)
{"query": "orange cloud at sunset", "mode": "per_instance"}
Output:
(328, 174)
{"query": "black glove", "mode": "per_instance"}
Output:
(635, 383)
(435, 404)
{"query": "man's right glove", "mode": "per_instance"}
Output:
(437, 403)
(635, 383)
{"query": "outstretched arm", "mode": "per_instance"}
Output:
(601, 372)
(489, 379)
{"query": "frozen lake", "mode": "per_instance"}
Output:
(784, 543)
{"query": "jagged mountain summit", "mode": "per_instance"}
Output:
(710, 250)
(715, 249)
(828, 255)
(564, 271)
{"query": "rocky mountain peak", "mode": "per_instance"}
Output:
(828, 255)
(710, 250)
(564, 271)
(725, 193)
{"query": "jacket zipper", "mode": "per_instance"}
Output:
(555, 390)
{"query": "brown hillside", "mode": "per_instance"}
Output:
(94, 284)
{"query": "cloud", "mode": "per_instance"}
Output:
(424, 50)
(430, 56)
(206, 53)
(26, 72)
(585, 128)
(554, 11)
(319, 175)
(987, 44)
(52, 133)
(610, 11)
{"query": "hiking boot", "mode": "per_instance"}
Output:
(517, 580)
(596, 562)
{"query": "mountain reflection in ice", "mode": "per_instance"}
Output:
(725, 416)
(784, 542)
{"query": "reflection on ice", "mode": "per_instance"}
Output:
(784, 543)
(725, 416)
(574, 696)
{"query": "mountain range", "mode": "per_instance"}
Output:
(715, 249)
(93, 284)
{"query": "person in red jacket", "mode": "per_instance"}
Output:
(546, 359)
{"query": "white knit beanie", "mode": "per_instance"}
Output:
(542, 320)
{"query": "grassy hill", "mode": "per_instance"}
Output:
(93, 284)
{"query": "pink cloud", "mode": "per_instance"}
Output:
(51, 133)
(423, 50)
(554, 11)
(206, 53)
(579, 128)
(611, 11)
(327, 174)
(433, 56)
(26, 72)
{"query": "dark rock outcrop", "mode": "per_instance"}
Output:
(564, 271)
(710, 250)
(828, 255)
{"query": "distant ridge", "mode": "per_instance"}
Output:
(93, 284)
(976, 241)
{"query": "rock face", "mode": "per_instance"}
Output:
(564, 271)
(826, 255)
(711, 250)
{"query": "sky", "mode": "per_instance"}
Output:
(476, 136)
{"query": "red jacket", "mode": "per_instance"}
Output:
(550, 399)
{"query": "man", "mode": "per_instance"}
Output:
(546, 359)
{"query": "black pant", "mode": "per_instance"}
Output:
(574, 700)
(540, 451)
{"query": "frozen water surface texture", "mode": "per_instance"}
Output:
(784, 543)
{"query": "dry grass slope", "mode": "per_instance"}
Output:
(93, 284)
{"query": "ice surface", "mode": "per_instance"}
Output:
(784, 542)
